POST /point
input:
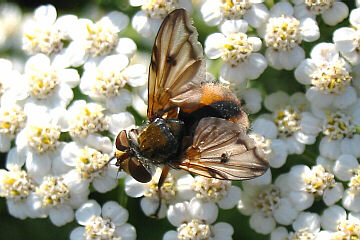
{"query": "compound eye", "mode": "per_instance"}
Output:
(122, 142)
(138, 171)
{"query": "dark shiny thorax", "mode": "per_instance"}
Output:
(161, 139)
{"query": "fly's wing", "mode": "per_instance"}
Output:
(222, 149)
(177, 64)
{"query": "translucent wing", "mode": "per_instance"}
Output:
(221, 149)
(177, 64)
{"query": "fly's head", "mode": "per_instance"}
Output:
(128, 157)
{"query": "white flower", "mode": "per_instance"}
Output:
(16, 186)
(147, 21)
(98, 39)
(121, 121)
(85, 123)
(44, 33)
(252, 98)
(56, 196)
(38, 142)
(105, 81)
(169, 191)
(283, 34)
(339, 224)
(306, 184)
(347, 169)
(339, 127)
(228, 15)
(209, 190)
(91, 165)
(47, 84)
(108, 222)
(265, 135)
(287, 116)
(332, 11)
(193, 221)
(328, 76)
(266, 204)
(12, 120)
(10, 83)
(347, 40)
(10, 20)
(239, 53)
(306, 226)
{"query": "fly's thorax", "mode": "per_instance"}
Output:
(160, 140)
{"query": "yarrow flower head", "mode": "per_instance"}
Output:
(46, 34)
(331, 11)
(16, 186)
(43, 138)
(48, 84)
(148, 20)
(283, 35)
(266, 204)
(39, 141)
(91, 165)
(206, 189)
(91, 40)
(56, 196)
(287, 116)
(86, 122)
(337, 224)
(169, 192)
(106, 222)
(307, 184)
(328, 76)
(106, 81)
(12, 120)
(227, 14)
(193, 221)
(87, 118)
(239, 53)
(339, 126)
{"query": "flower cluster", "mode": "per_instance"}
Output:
(69, 85)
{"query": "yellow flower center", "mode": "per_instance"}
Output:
(109, 84)
(235, 9)
(194, 230)
(43, 138)
(236, 48)
(102, 38)
(319, 6)
(42, 83)
(283, 33)
(331, 77)
(339, 125)
(159, 9)
(287, 121)
(90, 119)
